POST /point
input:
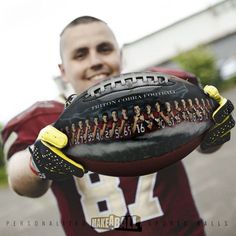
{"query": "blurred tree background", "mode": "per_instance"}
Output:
(202, 62)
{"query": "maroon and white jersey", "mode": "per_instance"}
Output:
(185, 113)
(125, 128)
(113, 127)
(105, 131)
(148, 118)
(158, 120)
(74, 136)
(162, 200)
(80, 135)
(96, 132)
(177, 115)
(88, 135)
(140, 127)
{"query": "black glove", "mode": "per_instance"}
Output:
(48, 161)
(224, 122)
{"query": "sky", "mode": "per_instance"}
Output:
(29, 42)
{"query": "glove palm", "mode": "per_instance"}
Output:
(224, 122)
(47, 158)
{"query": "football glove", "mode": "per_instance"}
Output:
(224, 122)
(48, 161)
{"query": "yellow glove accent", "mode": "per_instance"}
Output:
(213, 92)
(53, 136)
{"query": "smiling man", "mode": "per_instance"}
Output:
(162, 201)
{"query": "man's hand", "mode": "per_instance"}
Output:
(224, 122)
(48, 161)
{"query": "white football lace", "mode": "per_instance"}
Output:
(125, 79)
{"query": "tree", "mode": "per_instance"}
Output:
(201, 62)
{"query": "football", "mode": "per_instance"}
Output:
(135, 123)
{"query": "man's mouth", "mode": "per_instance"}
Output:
(98, 77)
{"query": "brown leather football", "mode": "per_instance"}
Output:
(136, 123)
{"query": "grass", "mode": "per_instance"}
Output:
(3, 177)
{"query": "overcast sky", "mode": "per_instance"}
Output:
(30, 35)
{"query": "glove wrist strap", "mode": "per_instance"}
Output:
(32, 167)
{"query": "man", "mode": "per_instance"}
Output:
(177, 111)
(184, 111)
(125, 126)
(163, 201)
(158, 117)
(169, 114)
(138, 126)
(97, 127)
(149, 117)
(80, 132)
(88, 131)
(114, 125)
(104, 132)
(199, 110)
(192, 110)
(73, 134)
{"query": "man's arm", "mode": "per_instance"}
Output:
(22, 179)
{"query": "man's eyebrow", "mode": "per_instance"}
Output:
(105, 43)
(80, 49)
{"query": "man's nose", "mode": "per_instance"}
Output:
(96, 61)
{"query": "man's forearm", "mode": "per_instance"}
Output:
(21, 178)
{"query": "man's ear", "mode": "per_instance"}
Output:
(62, 70)
(63, 74)
(121, 60)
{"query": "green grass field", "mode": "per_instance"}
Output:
(3, 177)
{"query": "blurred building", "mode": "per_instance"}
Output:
(215, 26)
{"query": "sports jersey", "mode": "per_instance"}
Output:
(161, 201)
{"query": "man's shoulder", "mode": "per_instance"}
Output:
(23, 129)
(40, 108)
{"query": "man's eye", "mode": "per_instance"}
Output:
(105, 48)
(79, 55)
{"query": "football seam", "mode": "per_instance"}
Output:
(130, 78)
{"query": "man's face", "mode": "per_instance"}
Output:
(183, 103)
(168, 108)
(190, 102)
(157, 105)
(124, 112)
(95, 120)
(149, 109)
(87, 122)
(90, 53)
(137, 110)
(203, 102)
(104, 118)
(114, 115)
(176, 104)
(80, 124)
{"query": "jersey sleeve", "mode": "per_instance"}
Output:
(22, 130)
